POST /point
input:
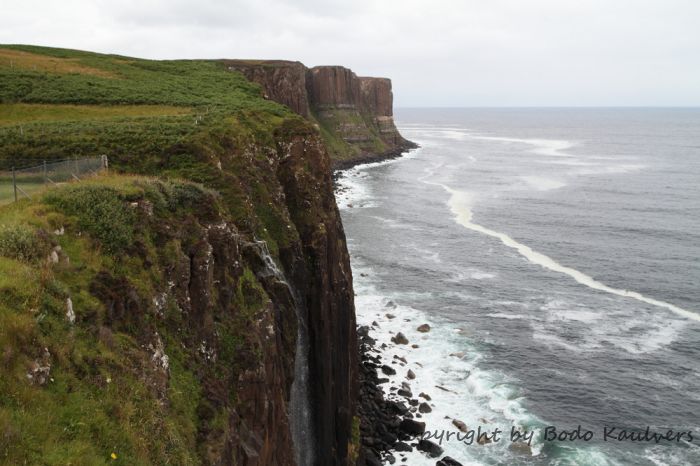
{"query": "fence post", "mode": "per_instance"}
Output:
(14, 182)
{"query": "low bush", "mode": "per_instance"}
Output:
(21, 242)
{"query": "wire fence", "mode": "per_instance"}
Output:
(16, 184)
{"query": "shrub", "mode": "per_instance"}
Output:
(20, 242)
(100, 211)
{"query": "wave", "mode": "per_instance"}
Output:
(541, 183)
(553, 147)
(460, 205)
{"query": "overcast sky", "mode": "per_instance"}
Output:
(438, 53)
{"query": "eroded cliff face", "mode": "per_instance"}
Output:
(195, 305)
(194, 322)
(282, 81)
(354, 114)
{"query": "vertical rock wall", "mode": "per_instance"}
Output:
(356, 113)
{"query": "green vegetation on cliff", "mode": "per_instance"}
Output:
(180, 118)
(137, 316)
(84, 365)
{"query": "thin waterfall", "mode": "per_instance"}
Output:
(300, 406)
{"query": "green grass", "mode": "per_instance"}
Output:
(104, 395)
(7, 192)
(190, 144)
(331, 124)
(136, 111)
(18, 114)
(174, 118)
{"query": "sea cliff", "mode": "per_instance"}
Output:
(193, 306)
(354, 114)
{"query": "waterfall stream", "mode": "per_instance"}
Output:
(299, 408)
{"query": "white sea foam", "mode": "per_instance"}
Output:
(460, 203)
(444, 358)
(541, 183)
(551, 147)
(463, 276)
(500, 315)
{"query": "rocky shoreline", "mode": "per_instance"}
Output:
(338, 166)
(390, 424)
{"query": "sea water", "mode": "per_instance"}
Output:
(556, 255)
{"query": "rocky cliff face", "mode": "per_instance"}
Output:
(354, 114)
(377, 97)
(195, 305)
(231, 348)
(333, 87)
(282, 81)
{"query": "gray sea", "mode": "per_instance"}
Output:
(556, 255)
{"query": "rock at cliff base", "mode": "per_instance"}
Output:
(400, 339)
(411, 427)
(410, 375)
(447, 461)
(520, 448)
(425, 328)
(432, 449)
(460, 425)
(403, 446)
(425, 395)
(388, 370)
(424, 408)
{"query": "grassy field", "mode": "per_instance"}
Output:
(23, 114)
(57, 103)
(19, 59)
(7, 192)
(171, 118)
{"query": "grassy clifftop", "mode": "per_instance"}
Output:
(140, 314)
(181, 118)
(57, 103)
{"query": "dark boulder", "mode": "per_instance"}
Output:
(431, 449)
(411, 427)
(447, 461)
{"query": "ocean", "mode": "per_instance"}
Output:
(555, 253)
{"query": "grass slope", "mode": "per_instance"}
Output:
(181, 101)
(174, 120)
(103, 393)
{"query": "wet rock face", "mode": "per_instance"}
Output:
(236, 322)
(319, 269)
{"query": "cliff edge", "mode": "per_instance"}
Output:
(354, 114)
(193, 307)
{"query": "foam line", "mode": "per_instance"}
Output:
(460, 202)
(553, 147)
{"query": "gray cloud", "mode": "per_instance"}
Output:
(438, 53)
